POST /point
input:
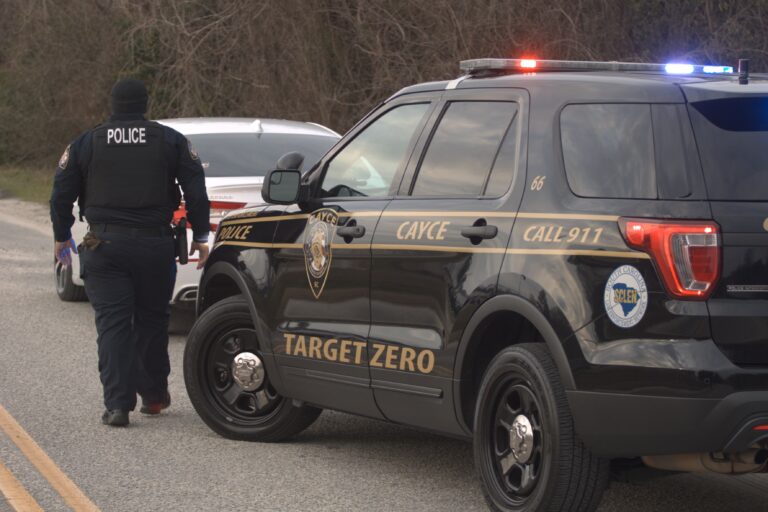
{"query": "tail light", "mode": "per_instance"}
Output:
(687, 254)
(218, 210)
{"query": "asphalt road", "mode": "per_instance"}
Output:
(49, 384)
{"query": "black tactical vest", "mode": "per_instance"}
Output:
(128, 167)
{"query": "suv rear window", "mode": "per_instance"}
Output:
(608, 150)
(254, 154)
(732, 135)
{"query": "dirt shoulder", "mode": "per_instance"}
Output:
(26, 214)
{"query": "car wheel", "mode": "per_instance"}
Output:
(228, 383)
(65, 288)
(526, 451)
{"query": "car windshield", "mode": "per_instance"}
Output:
(255, 154)
(732, 135)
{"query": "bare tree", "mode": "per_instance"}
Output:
(328, 61)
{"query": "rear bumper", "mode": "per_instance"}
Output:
(185, 298)
(623, 425)
(185, 289)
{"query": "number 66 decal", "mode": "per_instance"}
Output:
(538, 183)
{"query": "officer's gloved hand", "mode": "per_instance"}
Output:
(202, 249)
(61, 251)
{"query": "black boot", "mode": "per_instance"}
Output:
(115, 418)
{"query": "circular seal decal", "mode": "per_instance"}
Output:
(626, 296)
(319, 250)
(765, 224)
(321, 227)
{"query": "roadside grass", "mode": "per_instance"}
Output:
(29, 184)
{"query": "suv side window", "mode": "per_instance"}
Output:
(368, 164)
(608, 150)
(465, 152)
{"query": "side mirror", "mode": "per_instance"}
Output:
(282, 186)
(290, 161)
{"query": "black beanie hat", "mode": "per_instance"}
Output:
(129, 96)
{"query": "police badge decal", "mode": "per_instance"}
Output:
(64, 160)
(192, 152)
(318, 237)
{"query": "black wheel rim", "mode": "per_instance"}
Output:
(517, 474)
(237, 405)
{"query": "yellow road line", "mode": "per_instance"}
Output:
(17, 496)
(71, 493)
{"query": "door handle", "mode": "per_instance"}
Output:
(350, 231)
(477, 233)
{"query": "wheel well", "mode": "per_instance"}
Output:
(218, 288)
(497, 332)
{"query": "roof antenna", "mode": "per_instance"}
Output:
(743, 71)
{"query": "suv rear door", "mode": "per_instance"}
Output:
(438, 249)
(731, 129)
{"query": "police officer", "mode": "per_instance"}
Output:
(124, 174)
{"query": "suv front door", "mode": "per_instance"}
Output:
(320, 301)
(438, 249)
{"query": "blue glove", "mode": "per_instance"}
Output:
(64, 256)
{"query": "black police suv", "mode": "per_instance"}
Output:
(566, 262)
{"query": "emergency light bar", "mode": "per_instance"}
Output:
(474, 66)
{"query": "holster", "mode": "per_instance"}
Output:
(180, 239)
(91, 242)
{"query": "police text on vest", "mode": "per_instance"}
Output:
(126, 136)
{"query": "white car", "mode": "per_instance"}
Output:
(236, 153)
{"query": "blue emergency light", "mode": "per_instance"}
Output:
(679, 69)
(717, 69)
(475, 66)
(686, 69)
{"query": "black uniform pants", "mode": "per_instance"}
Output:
(129, 281)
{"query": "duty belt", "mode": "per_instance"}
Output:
(133, 231)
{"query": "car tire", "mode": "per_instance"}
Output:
(65, 288)
(527, 453)
(220, 336)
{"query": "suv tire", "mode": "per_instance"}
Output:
(224, 331)
(65, 288)
(521, 399)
